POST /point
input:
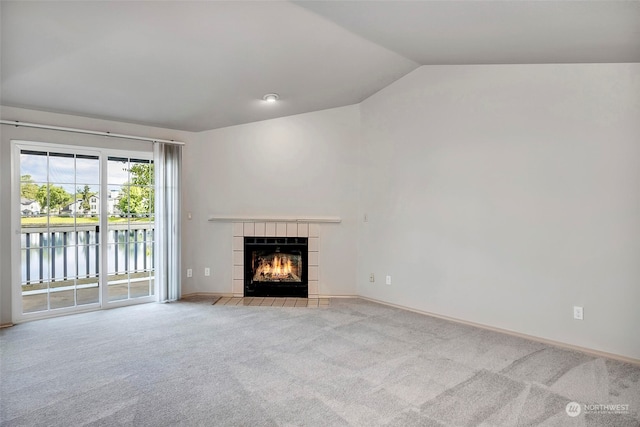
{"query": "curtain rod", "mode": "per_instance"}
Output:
(17, 123)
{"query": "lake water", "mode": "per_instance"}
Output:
(127, 250)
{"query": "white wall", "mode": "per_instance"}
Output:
(501, 195)
(229, 171)
(9, 133)
(505, 195)
(299, 165)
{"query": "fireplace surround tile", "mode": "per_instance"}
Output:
(270, 229)
(279, 229)
(303, 230)
(313, 272)
(238, 243)
(292, 229)
(249, 229)
(238, 286)
(238, 272)
(313, 244)
(238, 258)
(313, 258)
(313, 287)
(238, 229)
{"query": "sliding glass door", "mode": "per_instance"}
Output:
(130, 228)
(59, 234)
(86, 229)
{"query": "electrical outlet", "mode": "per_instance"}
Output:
(207, 271)
(578, 313)
(388, 280)
(372, 278)
(189, 272)
(366, 218)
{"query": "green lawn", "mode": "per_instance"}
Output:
(56, 220)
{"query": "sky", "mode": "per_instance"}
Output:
(71, 173)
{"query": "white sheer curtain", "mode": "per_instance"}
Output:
(168, 167)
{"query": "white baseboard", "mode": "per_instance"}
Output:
(338, 296)
(206, 294)
(559, 344)
(231, 295)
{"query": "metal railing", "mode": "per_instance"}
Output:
(79, 249)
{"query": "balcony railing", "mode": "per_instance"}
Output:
(62, 253)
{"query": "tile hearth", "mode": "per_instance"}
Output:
(274, 302)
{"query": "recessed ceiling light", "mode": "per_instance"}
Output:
(271, 97)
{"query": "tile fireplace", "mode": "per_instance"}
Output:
(295, 233)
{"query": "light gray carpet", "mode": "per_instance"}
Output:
(354, 363)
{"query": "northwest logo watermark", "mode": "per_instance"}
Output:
(574, 409)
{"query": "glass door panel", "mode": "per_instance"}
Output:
(59, 231)
(131, 228)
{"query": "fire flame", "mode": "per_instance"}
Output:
(280, 267)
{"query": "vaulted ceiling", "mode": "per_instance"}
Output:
(204, 65)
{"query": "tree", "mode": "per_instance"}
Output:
(85, 195)
(137, 196)
(28, 189)
(57, 197)
(141, 174)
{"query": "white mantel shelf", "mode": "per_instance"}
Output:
(266, 218)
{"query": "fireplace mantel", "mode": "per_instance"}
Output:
(268, 218)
